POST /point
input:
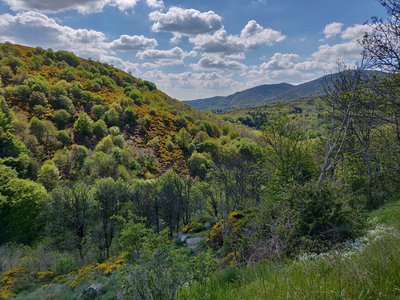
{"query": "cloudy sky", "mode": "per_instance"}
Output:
(198, 48)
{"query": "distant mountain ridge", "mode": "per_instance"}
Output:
(263, 94)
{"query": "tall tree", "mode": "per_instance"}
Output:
(110, 195)
(70, 218)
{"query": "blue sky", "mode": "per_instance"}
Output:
(198, 48)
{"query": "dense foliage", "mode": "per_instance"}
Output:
(105, 178)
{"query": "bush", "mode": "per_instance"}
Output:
(112, 117)
(100, 129)
(136, 96)
(98, 112)
(63, 102)
(63, 265)
(38, 98)
(64, 137)
(61, 118)
(84, 124)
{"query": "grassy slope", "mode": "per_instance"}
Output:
(370, 273)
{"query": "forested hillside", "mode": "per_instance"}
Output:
(110, 189)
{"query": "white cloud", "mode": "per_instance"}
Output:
(333, 29)
(36, 29)
(135, 42)
(218, 63)
(82, 6)
(334, 53)
(165, 57)
(356, 31)
(280, 61)
(189, 85)
(180, 21)
(252, 36)
(219, 42)
(156, 4)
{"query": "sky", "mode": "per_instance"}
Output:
(195, 49)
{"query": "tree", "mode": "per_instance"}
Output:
(382, 45)
(112, 117)
(70, 218)
(110, 196)
(49, 175)
(100, 129)
(146, 200)
(175, 200)
(20, 204)
(83, 125)
(287, 157)
(38, 129)
(98, 112)
(61, 117)
(341, 95)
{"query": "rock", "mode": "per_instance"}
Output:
(182, 237)
(194, 243)
(91, 292)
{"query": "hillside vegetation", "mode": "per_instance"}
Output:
(110, 189)
(267, 93)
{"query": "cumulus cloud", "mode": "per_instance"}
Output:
(252, 36)
(280, 61)
(165, 57)
(333, 29)
(180, 21)
(356, 31)
(188, 85)
(334, 53)
(156, 4)
(82, 6)
(135, 42)
(36, 29)
(219, 42)
(219, 63)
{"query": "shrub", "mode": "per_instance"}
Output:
(152, 111)
(130, 115)
(68, 57)
(84, 124)
(63, 102)
(97, 112)
(100, 129)
(64, 137)
(38, 98)
(63, 265)
(199, 165)
(136, 96)
(114, 130)
(112, 117)
(61, 117)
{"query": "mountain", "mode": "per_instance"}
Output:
(263, 94)
(59, 103)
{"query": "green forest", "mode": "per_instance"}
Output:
(111, 189)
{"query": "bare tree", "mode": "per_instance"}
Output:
(382, 45)
(342, 93)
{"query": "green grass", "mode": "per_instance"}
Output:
(370, 273)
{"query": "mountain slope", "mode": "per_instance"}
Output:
(263, 94)
(60, 103)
